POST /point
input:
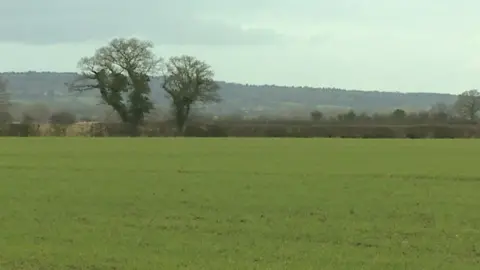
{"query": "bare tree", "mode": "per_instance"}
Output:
(188, 81)
(468, 104)
(121, 73)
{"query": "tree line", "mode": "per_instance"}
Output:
(121, 71)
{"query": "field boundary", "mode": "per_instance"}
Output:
(304, 130)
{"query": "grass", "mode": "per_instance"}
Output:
(79, 203)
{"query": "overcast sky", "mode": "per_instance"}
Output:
(395, 45)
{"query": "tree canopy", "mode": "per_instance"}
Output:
(468, 104)
(188, 81)
(121, 73)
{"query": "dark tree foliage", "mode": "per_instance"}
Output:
(316, 115)
(349, 116)
(5, 118)
(399, 114)
(121, 73)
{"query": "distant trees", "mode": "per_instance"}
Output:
(5, 116)
(4, 95)
(468, 104)
(399, 114)
(316, 115)
(37, 112)
(348, 116)
(188, 81)
(62, 118)
(121, 73)
(440, 111)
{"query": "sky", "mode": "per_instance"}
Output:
(393, 45)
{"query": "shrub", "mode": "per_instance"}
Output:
(316, 115)
(417, 132)
(276, 131)
(399, 114)
(95, 129)
(445, 132)
(23, 130)
(62, 118)
(79, 129)
(5, 118)
(195, 131)
(216, 131)
(27, 119)
(381, 132)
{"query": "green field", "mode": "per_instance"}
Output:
(78, 203)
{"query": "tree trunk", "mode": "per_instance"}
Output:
(180, 121)
(181, 115)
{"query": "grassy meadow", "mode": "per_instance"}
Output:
(122, 203)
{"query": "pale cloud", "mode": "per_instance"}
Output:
(55, 22)
(405, 45)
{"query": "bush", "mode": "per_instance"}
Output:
(62, 118)
(299, 132)
(276, 131)
(216, 131)
(155, 130)
(195, 131)
(5, 118)
(446, 132)
(18, 130)
(79, 129)
(316, 115)
(23, 130)
(251, 130)
(27, 119)
(56, 130)
(4, 129)
(116, 129)
(418, 132)
(380, 133)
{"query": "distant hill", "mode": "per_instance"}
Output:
(50, 87)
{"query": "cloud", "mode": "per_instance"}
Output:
(185, 32)
(54, 22)
(219, 22)
(200, 32)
